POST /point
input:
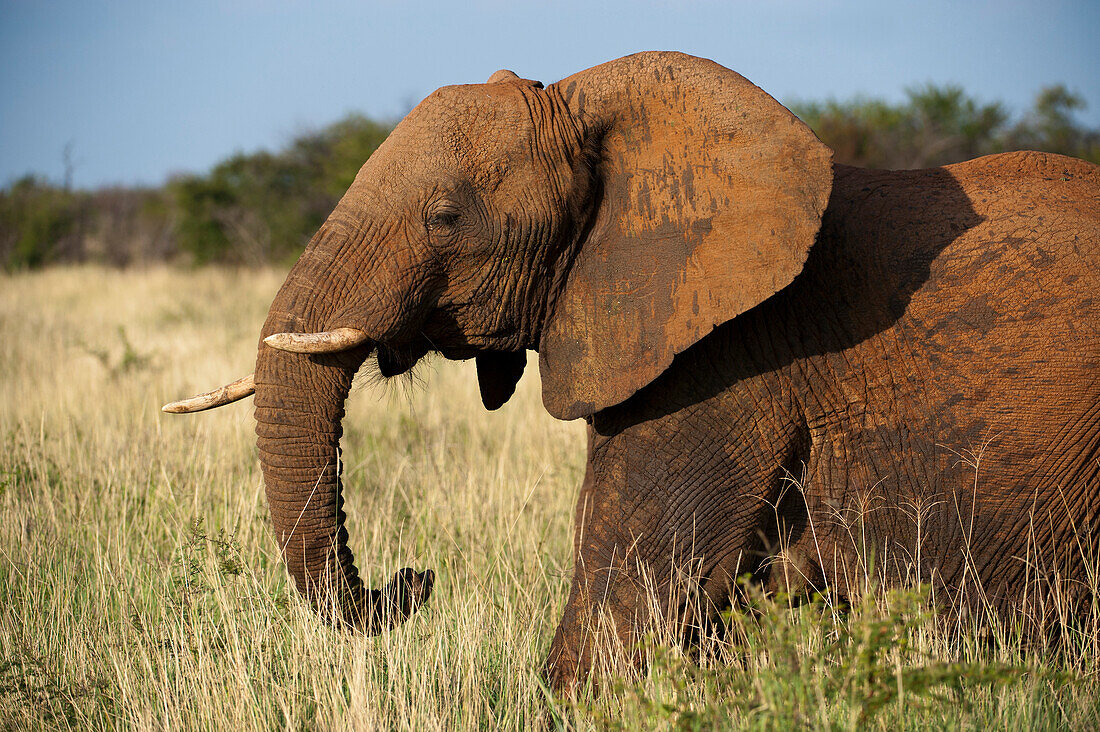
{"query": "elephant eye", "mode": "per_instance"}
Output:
(442, 220)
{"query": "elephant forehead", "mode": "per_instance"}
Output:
(470, 125)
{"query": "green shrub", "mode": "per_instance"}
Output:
(37, 223)
(263, 207)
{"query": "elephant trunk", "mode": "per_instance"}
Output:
(299, 411)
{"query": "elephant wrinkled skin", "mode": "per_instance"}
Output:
(731, 313)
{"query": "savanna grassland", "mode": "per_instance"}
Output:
(140, 585)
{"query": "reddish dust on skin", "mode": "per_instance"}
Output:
(729, 311)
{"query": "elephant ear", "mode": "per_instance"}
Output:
(712, 195)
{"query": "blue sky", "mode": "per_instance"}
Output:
(143, 89)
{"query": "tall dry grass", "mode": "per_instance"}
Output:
(141, 588)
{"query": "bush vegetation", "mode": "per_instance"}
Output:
(262, 208)
(939, 125)
(249, 209)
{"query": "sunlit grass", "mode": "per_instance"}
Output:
(140, 586)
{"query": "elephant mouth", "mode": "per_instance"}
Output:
(395, 360)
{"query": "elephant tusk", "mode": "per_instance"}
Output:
(227, 394)
(328, 341)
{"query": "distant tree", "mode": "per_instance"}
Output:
(934, 126)
(938, 125)
(264, 206)
(344, 147)
(127, 225)
(1050, 126)
(948, 126)
(860, 131)
(39, 224)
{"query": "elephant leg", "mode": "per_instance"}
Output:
(670, 514)
(606, 610)
(632, 577)
(627, 588)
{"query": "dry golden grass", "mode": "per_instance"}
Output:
(140, 586)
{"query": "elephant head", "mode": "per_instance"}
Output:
(608, 221)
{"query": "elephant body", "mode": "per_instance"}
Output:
(825, 377)
(922, 404)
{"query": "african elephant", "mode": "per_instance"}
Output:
(730, 312)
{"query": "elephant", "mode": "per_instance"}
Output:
(785, 365)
